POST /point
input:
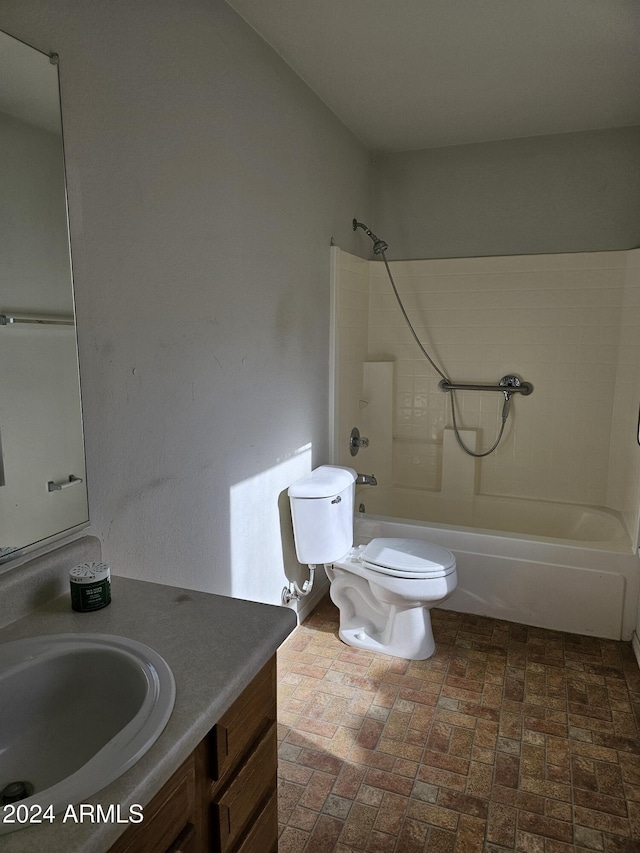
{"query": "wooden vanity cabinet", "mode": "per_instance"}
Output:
(223, 797)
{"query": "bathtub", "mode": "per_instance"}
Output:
(551, 565)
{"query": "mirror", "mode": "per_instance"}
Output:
(42, 466)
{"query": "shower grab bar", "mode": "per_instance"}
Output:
(524, 388)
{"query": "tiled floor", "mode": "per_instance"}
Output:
(508, 738)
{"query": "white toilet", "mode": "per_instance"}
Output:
(384, 590)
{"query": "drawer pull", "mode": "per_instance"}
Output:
(225, 818)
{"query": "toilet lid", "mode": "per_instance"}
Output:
(408, 558)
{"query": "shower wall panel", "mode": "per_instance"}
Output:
(552, 319)
(568, 323)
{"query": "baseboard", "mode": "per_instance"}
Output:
(635, 645)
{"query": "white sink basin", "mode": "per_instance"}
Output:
(76, 711)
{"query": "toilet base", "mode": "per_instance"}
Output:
(406, 634)
(387, 614)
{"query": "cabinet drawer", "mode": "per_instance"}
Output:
(263, 835)
(236, 804)
(245, 719)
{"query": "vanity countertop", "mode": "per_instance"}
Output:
(215, 647)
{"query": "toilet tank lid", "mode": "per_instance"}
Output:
(323, 482)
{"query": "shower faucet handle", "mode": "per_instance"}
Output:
(355, 442)
(510, 381)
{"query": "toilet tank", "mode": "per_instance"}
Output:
(322, 514)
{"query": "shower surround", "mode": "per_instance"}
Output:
(567, 323)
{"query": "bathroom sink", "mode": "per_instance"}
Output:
(77, 711)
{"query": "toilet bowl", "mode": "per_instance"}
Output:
(383, 590)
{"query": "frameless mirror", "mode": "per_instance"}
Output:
(42, 465)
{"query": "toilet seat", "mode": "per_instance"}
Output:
(408, 558)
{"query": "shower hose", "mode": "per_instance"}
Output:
(443, 375)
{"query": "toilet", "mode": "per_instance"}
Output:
(384, 590)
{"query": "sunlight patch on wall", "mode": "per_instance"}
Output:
(260, 528)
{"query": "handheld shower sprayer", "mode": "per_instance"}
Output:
(379, 246)
(507, 382)
(506, 405)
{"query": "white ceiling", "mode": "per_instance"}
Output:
(405, 74)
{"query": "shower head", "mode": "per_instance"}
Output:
(379, 246)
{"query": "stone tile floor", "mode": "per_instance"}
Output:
(508, 738)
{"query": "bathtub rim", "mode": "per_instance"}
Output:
(620, 545)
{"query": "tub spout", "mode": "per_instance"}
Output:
(366, 480)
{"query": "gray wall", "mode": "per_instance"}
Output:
(575, 192)
(205, 183)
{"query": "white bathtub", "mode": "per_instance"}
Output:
(558, 566)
